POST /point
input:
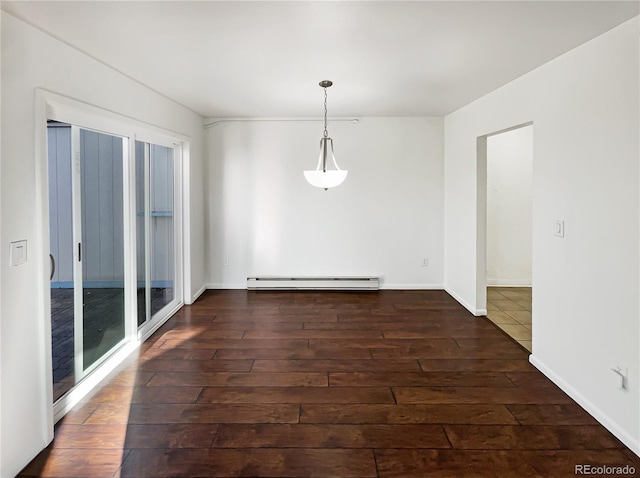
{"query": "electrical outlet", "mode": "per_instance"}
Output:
(623, 375)
(425, 262)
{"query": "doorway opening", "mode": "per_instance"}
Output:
(508, 167)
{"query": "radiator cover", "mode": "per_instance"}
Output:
(312, 283)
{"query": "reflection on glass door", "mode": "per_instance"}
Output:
(155, 203)
(86, 220)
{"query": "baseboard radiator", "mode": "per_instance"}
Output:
(312, 283)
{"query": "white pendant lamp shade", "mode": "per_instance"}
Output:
(325, 179)
(322, 177)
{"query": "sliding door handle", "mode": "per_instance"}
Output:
(79, 252)
(53, 266)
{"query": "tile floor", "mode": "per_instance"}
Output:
(510, 309)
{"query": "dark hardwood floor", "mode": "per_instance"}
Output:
(328, 384)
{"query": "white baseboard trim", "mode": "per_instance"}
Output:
(199, 292)
(218, 286)
(595, 412)
(392, 286)
(465, 304)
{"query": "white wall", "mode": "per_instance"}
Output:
(509, 175)
(1, 156)
(383, 220)
(585, 111)
(32, 59)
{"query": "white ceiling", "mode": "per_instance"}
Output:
(386, 58)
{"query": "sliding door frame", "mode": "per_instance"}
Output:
(52, 106)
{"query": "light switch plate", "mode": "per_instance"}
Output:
(18, 253)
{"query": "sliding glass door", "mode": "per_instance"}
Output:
(114, 221)
(86, 192)
(156, 232)
(100, 246)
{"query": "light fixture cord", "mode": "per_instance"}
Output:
(326, 133)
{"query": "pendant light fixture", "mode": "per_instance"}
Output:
(322, 177)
